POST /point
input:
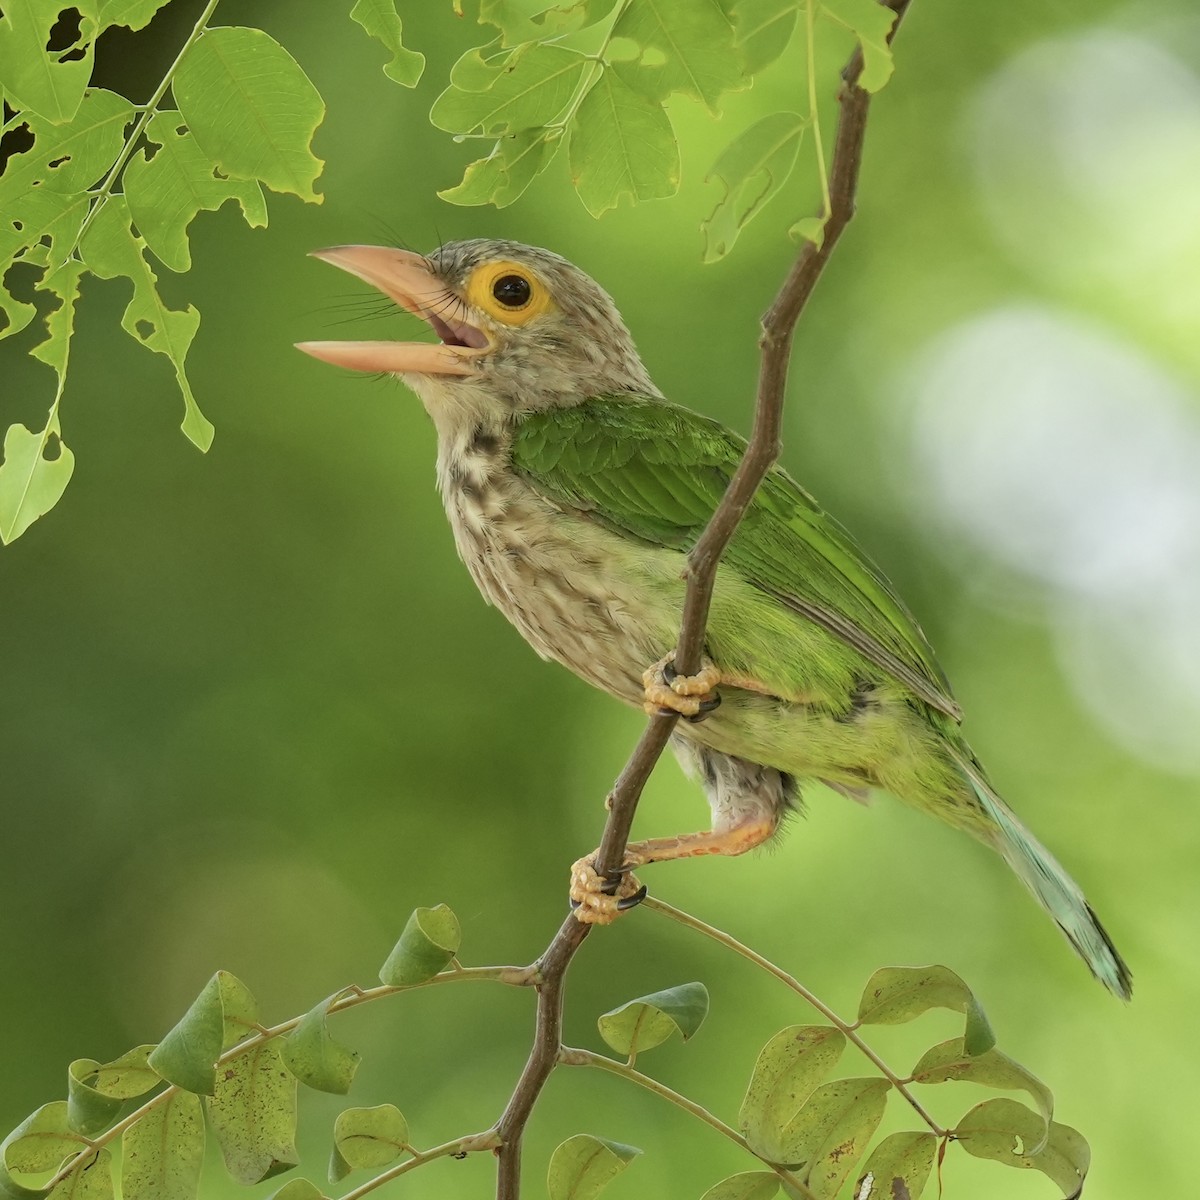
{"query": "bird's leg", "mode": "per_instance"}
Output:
(691, 696)
(599, 900)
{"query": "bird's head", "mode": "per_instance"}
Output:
(518, 328)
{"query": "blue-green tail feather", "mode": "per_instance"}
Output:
(1055, 890)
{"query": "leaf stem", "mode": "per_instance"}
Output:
(847, 1028)
(147, 111)
(351, 997)
(460, 1147)
(571, 1057)
(813, 115)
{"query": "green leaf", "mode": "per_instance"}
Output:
(894, 995)
(253, 1113)
(111, 249)
(751, 169)
(950, 1061)
(223, 1014)
(809, 229)
(478, 68)
(251, 109)
(163, 1151)
(88, 1110)
(832, 1131)
(165, 192)
(680, 46)
(750, 1185)
(898, 1169)
(1003, 1130)
(91, 1178)
(298, 1189)
(504, 175)
(381, 21)
(583, 1165)
(871, 23)
(533, 20)
(788, 1068)
(133, 14)
(649, 1021)
(762, 29)
(367, 1138)
(128, 1076)
(40, 80)
(41, 1141)
(431, 938)
(30, 483)
(530, 90)
(315, 1058)
(621, 145)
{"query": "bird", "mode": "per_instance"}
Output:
(575, 490)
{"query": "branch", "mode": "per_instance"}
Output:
(778, 325)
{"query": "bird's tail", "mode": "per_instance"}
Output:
(1055, 890)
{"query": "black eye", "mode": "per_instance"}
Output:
(513, 291)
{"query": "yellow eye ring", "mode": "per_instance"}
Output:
(508, 293)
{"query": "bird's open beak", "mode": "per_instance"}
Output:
(407, 279)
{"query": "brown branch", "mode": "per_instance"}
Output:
(778, 326)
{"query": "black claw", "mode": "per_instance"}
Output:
(574, 904)
(612, 881)
(708, 705)
(634, 900)
(669, 673)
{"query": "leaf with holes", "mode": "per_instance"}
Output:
(660, 47)
(534, 20)
(1003, 1130)
(750, 170)
(253, 1113)
(898, 1168)
(113, 250)
(133, 14)
(381, 21)
(531, 89)
(762, 29)
(749, 1185)
(832, 1131)
(649, 1021)
(894, 995)
(368, 1139)
(166, 191)
(48, 82)
(221, 1016)
(621, 145)
(788, 1069)
(315, 1058)
(950, 1061)
(582, 1166)
(871, 23)
(502, 177)
(251, 109)
(163, 1151)
(431, 938)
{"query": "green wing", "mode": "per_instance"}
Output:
(654, 471)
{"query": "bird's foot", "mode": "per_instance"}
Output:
(693, 697)
(599, 899)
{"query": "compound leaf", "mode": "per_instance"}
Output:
(251, 109)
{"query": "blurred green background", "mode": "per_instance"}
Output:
(253, 711)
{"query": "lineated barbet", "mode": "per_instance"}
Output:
(575, 490)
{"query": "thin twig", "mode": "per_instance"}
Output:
(778, 325)
(847, 1028)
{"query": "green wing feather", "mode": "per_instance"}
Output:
(655, 472)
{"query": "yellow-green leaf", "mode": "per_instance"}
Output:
(762, 29)
(88, 1110)
(504, 175)
(788, 1069)
(871, 23)
(621, 145)
(368, 1139)
(41, 1141)
(381, 21)
(649, 1021)
(894, 995)
(898, 1168)
(90, 1178)
(534, 20)
(582, 1166)
(30, 483)
(165, 192)
(832, 1131)
(750, 170)
(431, 938)
(253, 1113)
(315, 1058)
(33, 77)
(1004, 1130)
(251, 109)
(749, 1185)
(163, 1151)
(133, 14)
(128, 1076)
